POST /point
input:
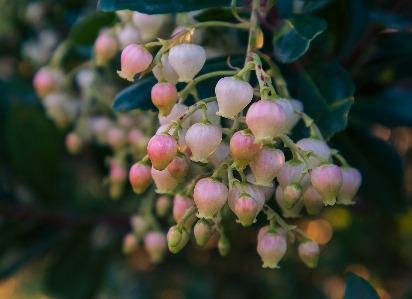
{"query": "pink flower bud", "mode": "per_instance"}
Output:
(73, 143)
(210, 196)
(181, 244)
(118, 173)
(203, 140)
(267, 165)
(164, 96)
(232, 96)
(212, 108)
(155, 244)
(313, 201)
(137, 140)
(129, 243)
(317, 146)
(127, 35)
(179, 167)
(271, 248)
(148, 25)
(243, 149)
(280, 231)
(180, 205)
(202, 231)
(246, 209)
(116, 138)
(163, 204)
(309, 253)
(224, 246)
(289, 113)
(140, 177)
(291, 195)
(292, 213)
(169, 73)
(164, 181)
(138, 225)
(134, 60)
(47, 81)
(327, 180)
(177, 112)
(181, 134)
(187, 60)
(265, 119)
(220, 155)
(252, 190)
(290, 172)
(162, 149)
(174, 236)
(105, 48)
(351, 181)
(267, 191)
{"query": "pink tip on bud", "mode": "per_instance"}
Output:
(291, 195)
(179, 167)
(163, 204)
(73, 143)
(309, 253)
(105, 48)
(164, 96)
(243, 149)
(134, 60)
(246, 209)
(202, 231)
(180, 205)
(327, 180)
(129, 243)
(162, 149)
(47, 81)
(118, 173)
(140, 177)
(155, 244)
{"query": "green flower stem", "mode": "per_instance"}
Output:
(234, 12)
(153, 44)
(294, 148)
(254, 21)
(242, 175)
(341, 159)
(145, 160)
(301, 233)
(219, 169)
(178, 122)
(274, 72)
(189, 212)
(310, 123)
(265, 82)
(192, 85)
(239, 186)
(271, 214)
(59, 54)
(247, 68)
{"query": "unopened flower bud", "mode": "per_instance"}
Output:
(116, 138)
(134, 60)
(174, 236)
(203, 140)
(127, 35)
(243, 149)
(179, 167)
(267, 165)
(210, 196)
(280, 231)
(138, 225)
(148, 25)
(246, 209)
(140, 177)
(181, 244)
(224, 246)
(164, 96)
(254, 191)
(313, 201)
(291, 171)
(47, 81)
(155, 244)
(165, 183)
(105, 48)
(187, 60)
(309, 253)
(317, 146)
(118, 173)
(327, 180)
(271, 248)
(292, 213)
(73, 143)
(129, 243)
(169, 73)
(162, 149)
(351, 181)
(180, 205)
(291, 195)
(163, 204)
(202, 231)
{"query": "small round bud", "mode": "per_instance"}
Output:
(118, 173)
(155, 244)
(174, 236)
(313, 201)
(164, 96)
(210, 196)
(182, 243)
(134, 60)
(140, 177)
(187, 60)
(47, 81)
(327, 180)
(246, 209)
(116, 138)
(292, 213)
(203, 140)
(162, 149)
(243, 149)
(105, 48)
(169, 73)
(351, 181)
(73, 143)
(179, 167)
(180, 205)
(267, 165)
(309, 253)
(317, 146)
(265, 119)
(163, 204)
(224, 246)
(148, 25)
(129, 243)
(291, 171)
(271, 248)
(233, 96)
(291, 195)
(165, 183)
(202, 231)
(254, 191)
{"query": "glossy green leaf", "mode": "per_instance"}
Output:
(159, 6)
(86, 29)
(327, 94)
(138, 95)
(380, 165)
(292, 36)
(214, 14)
(359, 288)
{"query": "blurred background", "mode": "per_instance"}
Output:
(61, 232)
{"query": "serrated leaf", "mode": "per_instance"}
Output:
(159, 6)
(86, 29)
(138, 95)
(292, 36)
(357, 288)
(327, 95)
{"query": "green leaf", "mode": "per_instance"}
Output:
(391, 20)
(138, 95)
(292, 36)
(359, 288)
(159, 6)
(380, 165)
(214, 14)
(327, 94)
(391, 108)
(86, 29)
(32, 148)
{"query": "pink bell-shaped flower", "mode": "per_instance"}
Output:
(164, 96)
(351, 181)
(317, 146)
(327, 180)
(187, 60)
(243, 149)
(271, 248)
(203, 140)
(267, 165)
(134, 60)
(210, 196)
(155, 244)
(162, 149)
(140, 177)
(164, 181)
